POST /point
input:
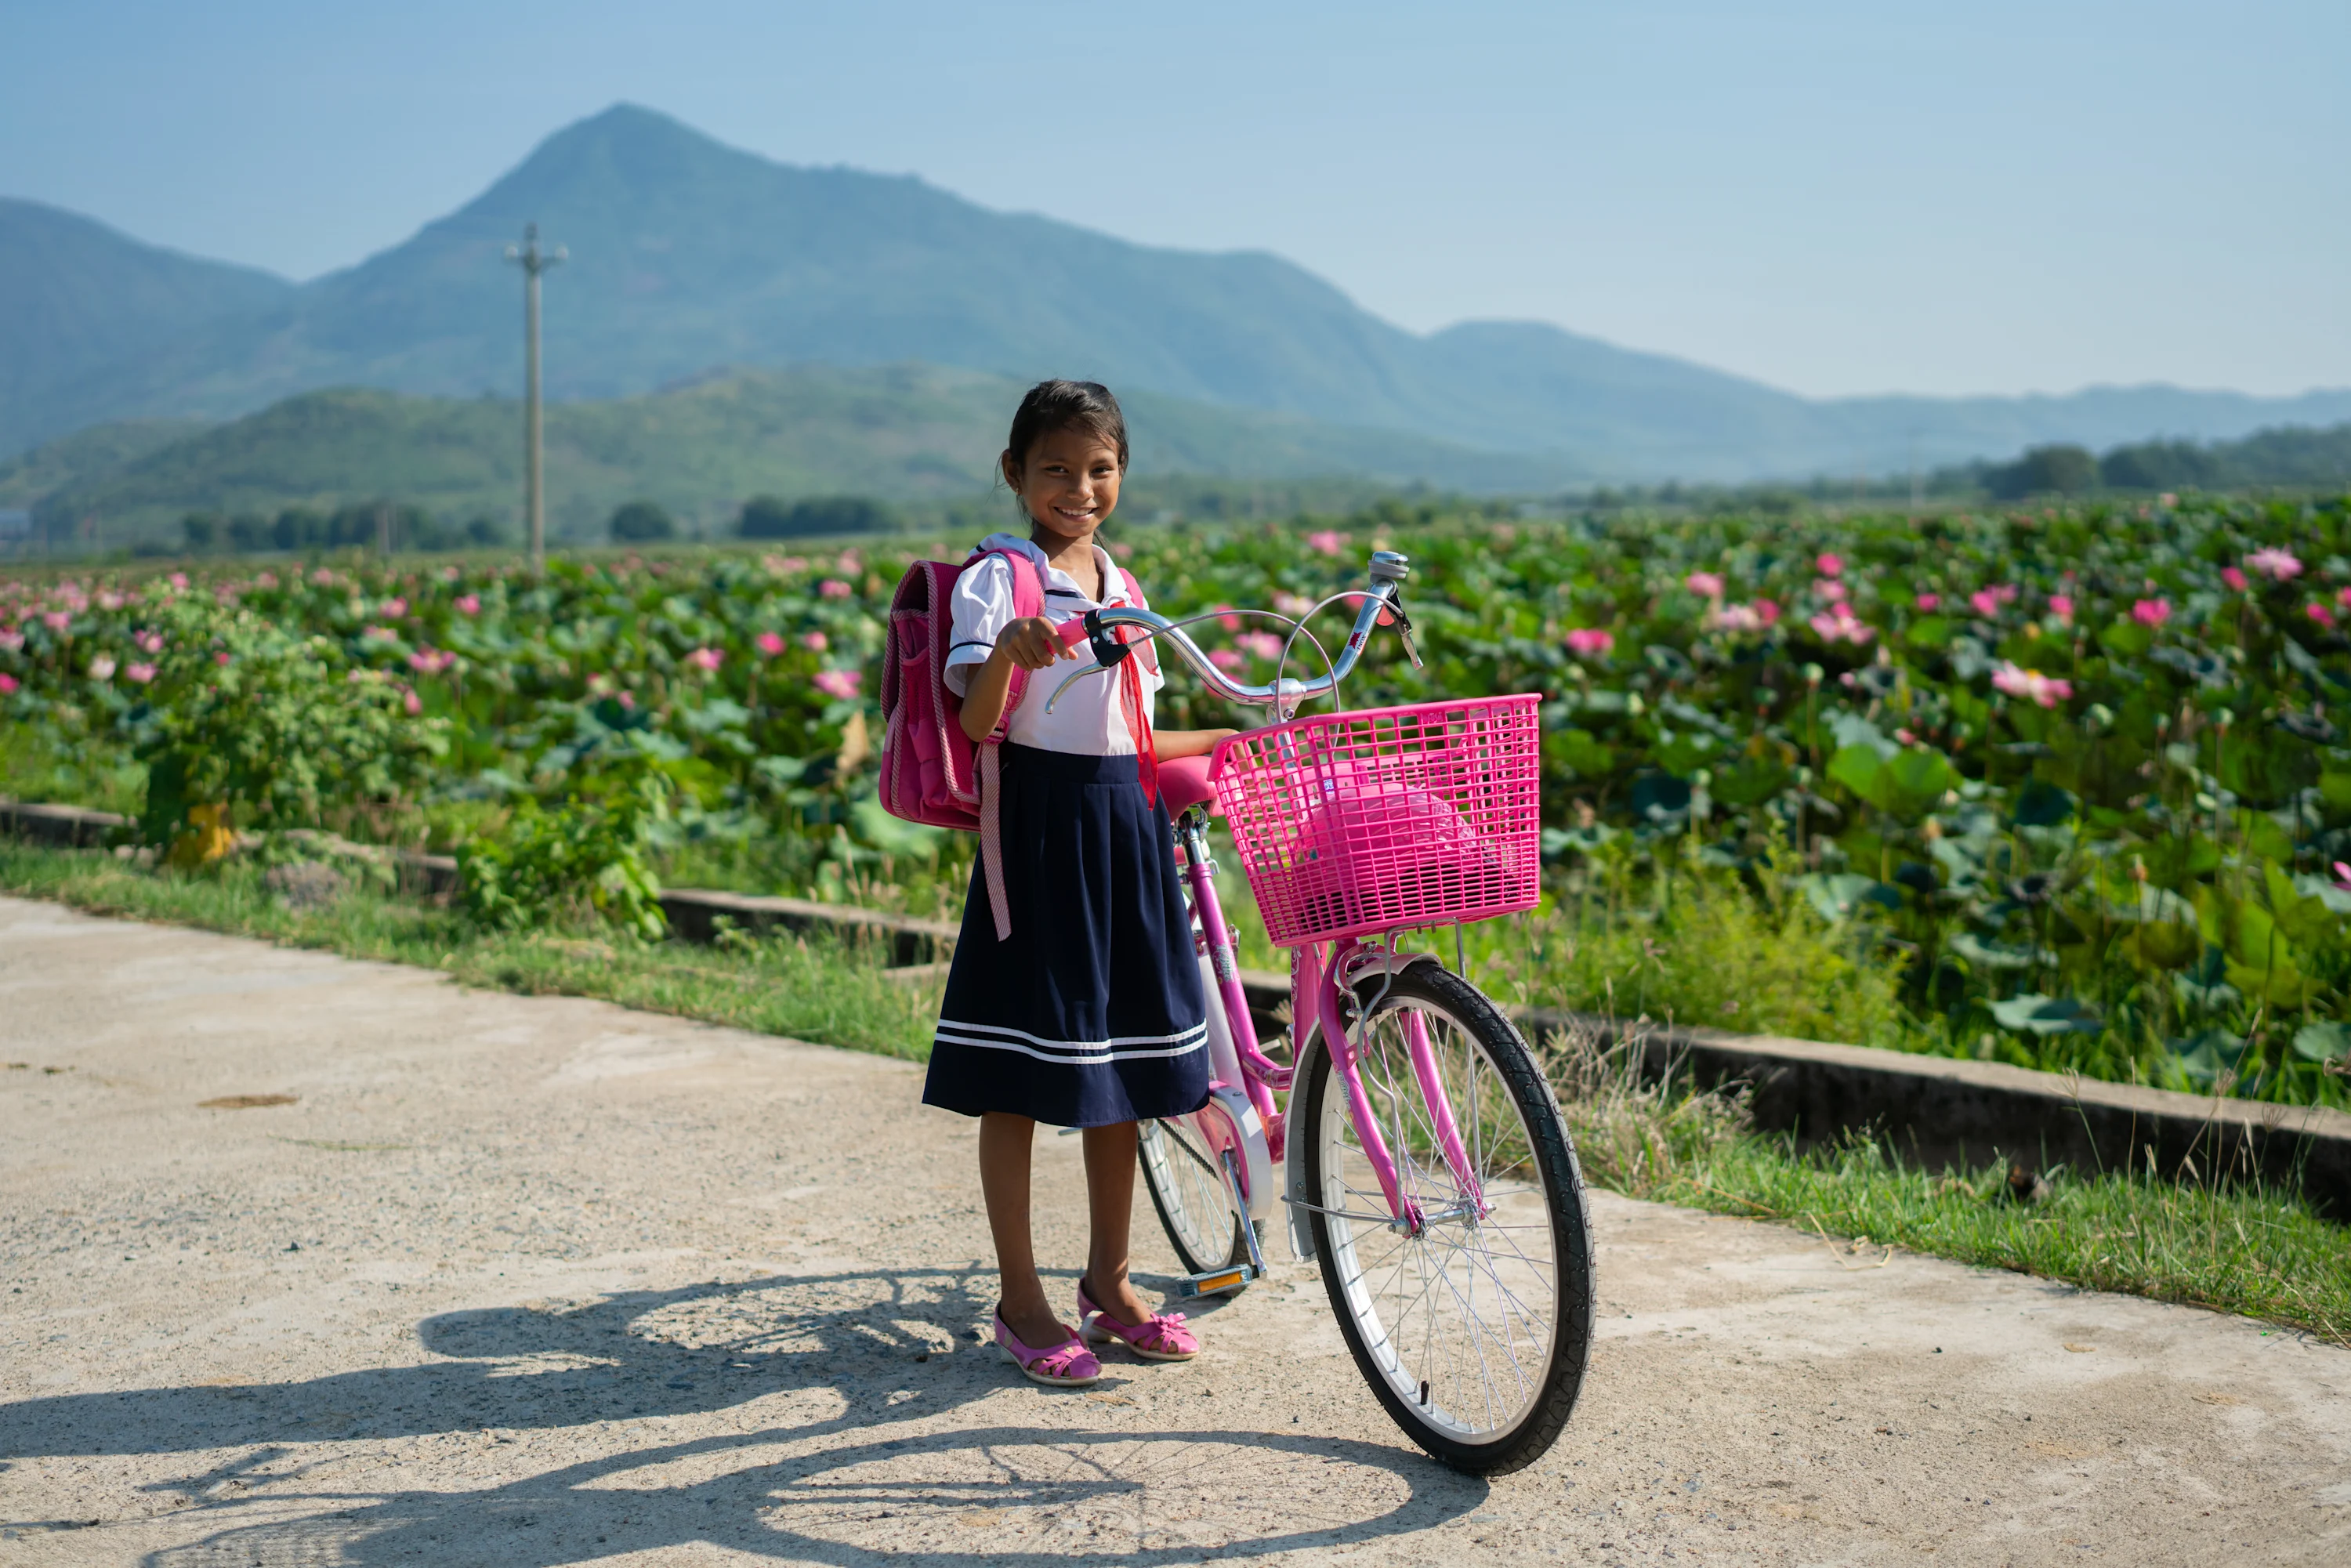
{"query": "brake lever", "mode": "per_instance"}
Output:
(1403, 633)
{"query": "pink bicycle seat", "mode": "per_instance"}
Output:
(1183, 783)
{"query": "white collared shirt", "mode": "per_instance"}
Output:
(1091, 717)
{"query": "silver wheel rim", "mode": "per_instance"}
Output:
(1191, 1191)
(1462, 1320)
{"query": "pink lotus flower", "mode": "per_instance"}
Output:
(1984, 602)
(469, 604)
(2046, 690)
(393, 609)
(1294, 605)
(2276, 563)
(706, 660)
(1926, 601)
(450, 574)
(431, 661)
(1905, 738)
(110, 600)
(1122, 550)
(149, 641)
(784, 565)
(1830, 565)
(2343, 597)
(2341, 871)
(10, 641)
(220, 657)
(1752, 617)
(1589, 640)
(1263, 644)
(2319, 612)
(1829, 589)
(1705, 584)
(2234, 579)
(841, 683)
(2151, 611)
(833, 588)
(101, 668)
(769, 644)
(1768, 610)
(1227, 618)
(851, 563)
(2060, 605)
(7, 683)
(1839, 624)
(180, 579)
(1328, 541)
(815, 641)
(408, 700)
(56, 620)
(379, 634)
(139, 674)
(1226, 659)
(322, 577)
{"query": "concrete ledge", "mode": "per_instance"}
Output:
(67, 826)
(694, 912)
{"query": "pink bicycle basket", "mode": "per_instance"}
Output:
(1350, 823)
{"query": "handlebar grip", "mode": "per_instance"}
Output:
(1071, 631)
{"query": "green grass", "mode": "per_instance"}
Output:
(2260, 1253)
(2242, 1248)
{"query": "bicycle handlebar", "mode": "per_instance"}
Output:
(1286, 696)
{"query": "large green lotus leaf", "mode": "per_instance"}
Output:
(1751, 781)
(2034, 1014)
(1841, 896)
(1684, 755)
(2281, 984)
(1856, 768)
(1928, 632)
(2127, 638)
(2307, 921)
(2329, 1041)
(2208, 1053)
(2041, 804)
(1983, 955)
(1580, 753)
(2336, 788)
(1914, 783)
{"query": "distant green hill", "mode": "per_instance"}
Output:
(88, 454)
(901, 433)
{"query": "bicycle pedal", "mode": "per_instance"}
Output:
(1217, 1281)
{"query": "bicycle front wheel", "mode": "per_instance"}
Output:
(1187, 1183)
(1474, 1331)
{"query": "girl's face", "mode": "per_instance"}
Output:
(1069, 484)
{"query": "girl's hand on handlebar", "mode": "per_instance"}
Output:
(1032, 643)
(1168, 744)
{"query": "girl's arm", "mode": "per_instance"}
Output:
(1029, 645)
(1168, 744)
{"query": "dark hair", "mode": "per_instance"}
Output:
(1066, 405)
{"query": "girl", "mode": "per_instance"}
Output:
(1091, 1014)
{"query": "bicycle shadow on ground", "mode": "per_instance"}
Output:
(843, 1366)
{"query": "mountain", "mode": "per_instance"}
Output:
(904, 433)
(78, 299)
(687, 254)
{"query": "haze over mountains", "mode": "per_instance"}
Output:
(687, 254)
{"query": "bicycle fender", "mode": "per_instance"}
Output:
(1301, 1220)
(1257, 1167)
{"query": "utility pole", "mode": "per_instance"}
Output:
(533, 261)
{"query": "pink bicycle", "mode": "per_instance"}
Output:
(1424, 1159)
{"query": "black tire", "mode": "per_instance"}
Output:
(1186, 1192)
(1542, 1199)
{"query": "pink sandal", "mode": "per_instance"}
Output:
(1162, 1337)
(1068, 1364)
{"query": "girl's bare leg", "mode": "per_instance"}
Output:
(1004, 1145)
(1110, 1193)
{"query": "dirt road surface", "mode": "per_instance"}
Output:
(528, 1281)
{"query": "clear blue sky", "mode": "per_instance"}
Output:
(1833, 197)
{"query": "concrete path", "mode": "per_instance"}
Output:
(535, 1281)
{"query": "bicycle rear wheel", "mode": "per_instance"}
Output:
(1476, 1332)
(1187, 1187)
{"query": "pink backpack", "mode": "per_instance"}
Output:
(932, 772)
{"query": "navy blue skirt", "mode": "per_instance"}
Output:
(1091, 1012)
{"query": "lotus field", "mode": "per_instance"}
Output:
(2065, 787)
